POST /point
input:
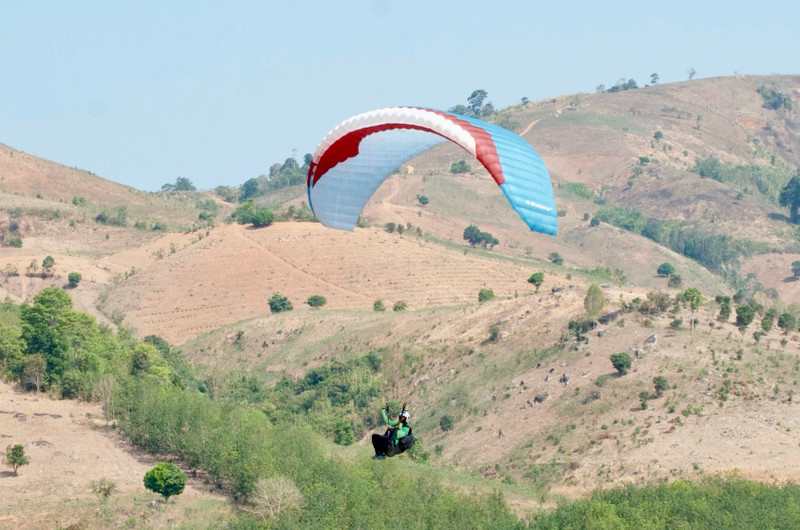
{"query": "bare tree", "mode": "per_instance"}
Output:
(34, 370)
(273, 495)
(104, 389)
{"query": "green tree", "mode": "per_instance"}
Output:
(695, 299)
(47, 266)
(262, 217)
(768, 320)
(744, 316)
(11, 343)
(537, 279)
(423, 200)
(316, 300)
(484, 295)
(594, 302)
(279, 303)
(165, 479)
(787, 322)
(181, 184)
(644, 395)
(400, 305)
(475, 102)
(460, 167)
(660, 383)
(622, 362)
(665, 269)
(74, 279)
(15, 457)
(654, 79)
(724, 311)
(472, 234)
(378, 305)
(790, 197)
(556, 258)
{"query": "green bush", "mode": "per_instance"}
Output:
(577, 189)
(316, 300)
(460, 167)
(15, 242)
(622, 362)
(279, 303)
(74, 278)
(446, 422)
(484, 295)
(165, 479)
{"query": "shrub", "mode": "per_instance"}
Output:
(622, 362)
(316, 300)
(74, 278)
(661, 384)
(15, 242)
(665, 269)
(400, 305)
(165, 479)
(446, 422)
(494, 332)
(103, 488)
(279, 303)
(537, 278)
(460, 167)
(423, 200)
(378, 305)
(15, 457)
(485, 295)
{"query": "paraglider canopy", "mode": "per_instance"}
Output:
(361, 152)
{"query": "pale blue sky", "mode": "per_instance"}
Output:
(144, 92)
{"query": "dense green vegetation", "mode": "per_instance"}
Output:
(755, 179)
(712, 503)
(711, 250)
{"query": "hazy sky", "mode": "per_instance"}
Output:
(145, 92)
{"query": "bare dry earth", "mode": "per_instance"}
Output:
(231, 274)
(612, 440)
(69, 447)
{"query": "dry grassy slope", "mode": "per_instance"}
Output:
(69, 447)
(218, 283)
(231, 274)
(597, 139)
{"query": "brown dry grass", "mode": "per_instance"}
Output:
(70, 446)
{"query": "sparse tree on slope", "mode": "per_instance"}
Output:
(594, 302)
(165, 479)
(790, 197)
(15, 457)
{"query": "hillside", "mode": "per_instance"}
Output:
(204, 287)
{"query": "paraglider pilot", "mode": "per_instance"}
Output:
(397, 437)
